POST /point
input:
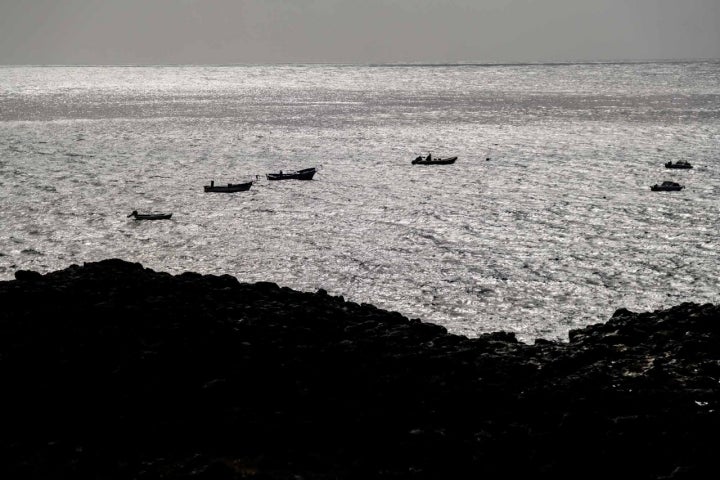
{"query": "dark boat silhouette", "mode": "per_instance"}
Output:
(682, 164)
(304, 174)
(667, 186)
(229, 188)
(150, 216)
(433, 161)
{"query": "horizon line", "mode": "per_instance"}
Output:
(376, 64)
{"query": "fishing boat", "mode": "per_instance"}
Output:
(150, 216)
(433, 161)
(667, 187)
(229, 188)
(304, 174)
(679, 164)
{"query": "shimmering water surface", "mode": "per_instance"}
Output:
(557, 230)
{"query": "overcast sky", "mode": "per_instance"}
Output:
(354, 31)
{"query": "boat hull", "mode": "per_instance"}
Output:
(305, 174)
(164, 216)
(229, 188)
(659, 188)
(441, 161)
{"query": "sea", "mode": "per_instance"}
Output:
(545, 223)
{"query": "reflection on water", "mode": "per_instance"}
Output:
(556, 230)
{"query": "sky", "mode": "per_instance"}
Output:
(108, 32)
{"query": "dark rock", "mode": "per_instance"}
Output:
(27, 276)
(267, 286)
(508, 337)
(622, 312)
(111, 370)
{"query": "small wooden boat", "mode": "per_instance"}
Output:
(304, 174)
(679, 164)
(230, 188)
(433, 161)
(150, 216)
(667, 187)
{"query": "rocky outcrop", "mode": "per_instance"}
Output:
(114, 371)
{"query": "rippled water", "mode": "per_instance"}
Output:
(555, 231)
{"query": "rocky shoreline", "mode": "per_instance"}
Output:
(114, 371)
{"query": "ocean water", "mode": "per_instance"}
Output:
(555, 231)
